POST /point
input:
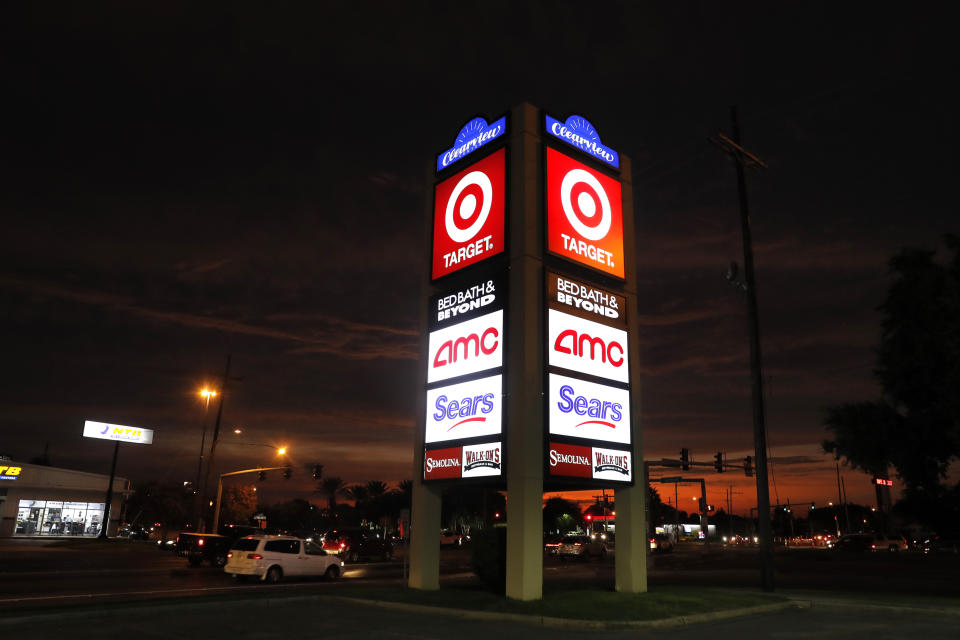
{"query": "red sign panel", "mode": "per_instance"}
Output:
(569, 460)
(468, 215)
(584, 214)
(440, 464)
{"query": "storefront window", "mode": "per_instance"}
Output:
(55, 518)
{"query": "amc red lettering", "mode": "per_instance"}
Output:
(612, 353)
(485, 343)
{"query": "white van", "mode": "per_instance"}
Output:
(272, 558)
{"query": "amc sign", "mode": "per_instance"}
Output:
(584, 215)
(465, 410)
(465, 348)
(104, 431)
(588, 410)
(468, 215)
(587, 347)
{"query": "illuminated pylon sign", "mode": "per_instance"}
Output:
(468, 216)
(584, 214)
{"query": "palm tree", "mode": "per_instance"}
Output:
(375, 489)
(332, 486)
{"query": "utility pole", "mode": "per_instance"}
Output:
(742, 159)
(840, 501)
(216, 433)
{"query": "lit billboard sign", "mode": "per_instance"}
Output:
(580, 134)
(586, 301)
(469, 215)
(442, 464)
(596, 463)
(465, 348)
(119, 433)
(468, 461)
(472, 136)
(9, 473)
(468, 302)
(586, 347)
(481, 460)
(465, 410)
(582, 409)
(584, 215)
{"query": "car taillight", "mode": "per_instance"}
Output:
(230, 555)
(254, 556)
(343, 545)
(200, 542)
(577, 544)
(873, 546)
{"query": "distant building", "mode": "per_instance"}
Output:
(36, 500)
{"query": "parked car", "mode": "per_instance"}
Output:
(661, 543)
(870, 542)
(354, 546)
(448, 538)
(583, 547)
(210, 547)
(271, 558)
(551, 544)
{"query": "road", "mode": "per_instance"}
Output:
(35, 576)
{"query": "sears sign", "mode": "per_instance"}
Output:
(587, 347)
(464, 348)
(588, 410)
(465, 410)
(584, 215)
(574, 461)
(468, 215)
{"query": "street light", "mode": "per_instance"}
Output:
(207, 395)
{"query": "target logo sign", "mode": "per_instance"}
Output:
(468, 215)
(584, 214)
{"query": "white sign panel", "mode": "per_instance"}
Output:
(468, 347)
(588, 410)
(611, 464)
(481, 460)
(465, 410)
(104, 431)
(587, 347)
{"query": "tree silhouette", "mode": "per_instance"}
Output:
(333, 487)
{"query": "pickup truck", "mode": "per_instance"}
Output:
(198, 548)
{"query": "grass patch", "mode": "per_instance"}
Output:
(577, 604)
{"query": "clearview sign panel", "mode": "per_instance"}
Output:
(584, 214)
(468, 215)
(580, 134)
(472, 136)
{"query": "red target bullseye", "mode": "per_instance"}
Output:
(467, 206)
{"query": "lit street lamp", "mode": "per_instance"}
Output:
(207, 395)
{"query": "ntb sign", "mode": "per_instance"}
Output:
(469, 215)
(584, 214)
(117, 432)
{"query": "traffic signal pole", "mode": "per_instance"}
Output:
(216, 509)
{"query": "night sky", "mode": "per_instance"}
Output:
(184, 182)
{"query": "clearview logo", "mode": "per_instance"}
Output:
(472, 136)
(578, 132)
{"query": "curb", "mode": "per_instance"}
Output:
(585, 625)
(868, 607)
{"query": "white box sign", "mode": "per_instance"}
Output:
(468, 347)
(588, 410)
(465, 410)
(611, 464)
(587, 347)
(481, 460)
(120, 433)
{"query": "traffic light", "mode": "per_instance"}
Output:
(718, 462)
(317, 471)
(287, 473)
(261, 475)
(685, 459)
(748, 466)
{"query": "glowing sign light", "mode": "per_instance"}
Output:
(588, 410)
(468, 215)
(474, 135)
(104, 431)
(584, 215)
(587, 347)
(465, 410)
(882, 482)
(579, 133)
(468, 347)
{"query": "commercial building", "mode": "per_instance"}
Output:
(37, 500)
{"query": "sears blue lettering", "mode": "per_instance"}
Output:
(591, 407)
(450, 409)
